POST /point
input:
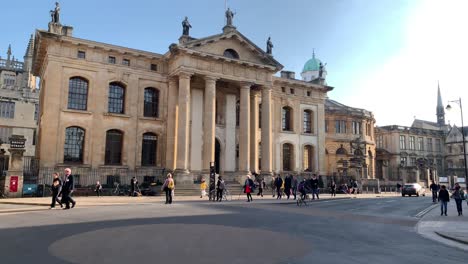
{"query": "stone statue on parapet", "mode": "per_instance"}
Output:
(186, 27)
(269, 46)
(229, 17)
(321, 69)
(55, 14)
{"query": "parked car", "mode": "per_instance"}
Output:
(413, 189)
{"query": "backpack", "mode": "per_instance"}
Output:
(221, 185)
(170, 185)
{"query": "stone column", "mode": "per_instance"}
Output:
(230, 134)
(254, 101)
(209, 125)
(183, 128)
(244, 129)
(172, 117)
(266, 137)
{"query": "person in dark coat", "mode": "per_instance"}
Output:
(315, 187)
(133, 186)
(434, 188)
(56, 189)
(287, 185)
(458, 195)
(444, 198)
(333, 189)
(248, 188)
(294, 186)
(278, 185)
(67, 189)
(98, 189)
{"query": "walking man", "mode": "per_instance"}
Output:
(294, 186)
(434, 188)
(315, 187)
(333, 189)
(56, 188)
(287, 185)
(220, 189)
(278, 185)
(459, 196)
(444, 198)
(67, 189)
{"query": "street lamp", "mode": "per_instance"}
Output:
(459, 102)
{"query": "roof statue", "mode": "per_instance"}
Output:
(269, 46)
(229, 17)
(321, 69)
(186, 27)
(55, 14)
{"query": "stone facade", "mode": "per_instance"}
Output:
(454, 154)
(218, 100)
(344, 125)
(19, 101)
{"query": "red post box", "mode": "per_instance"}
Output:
(13, 183)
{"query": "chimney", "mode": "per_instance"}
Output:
(288, 75)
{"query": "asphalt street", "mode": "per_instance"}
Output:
(379, 230)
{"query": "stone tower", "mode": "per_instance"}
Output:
(440, 108)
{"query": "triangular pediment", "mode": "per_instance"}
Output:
(233, 40)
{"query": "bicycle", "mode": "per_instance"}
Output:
(301, 200)
(226, 196)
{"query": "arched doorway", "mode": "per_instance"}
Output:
(217, 155)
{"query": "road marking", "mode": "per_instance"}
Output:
(425, 211)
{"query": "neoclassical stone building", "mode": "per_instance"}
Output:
(212, 99)
(350, 141)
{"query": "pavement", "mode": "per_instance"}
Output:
(451, 230)
(43, 203)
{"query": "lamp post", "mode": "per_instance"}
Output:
(459, 102)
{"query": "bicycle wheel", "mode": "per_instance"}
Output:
(227, 196)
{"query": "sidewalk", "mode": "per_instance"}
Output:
(82, 201)
(451, 230)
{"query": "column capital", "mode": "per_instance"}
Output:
(185, 75)
(246, 85)
(172, 80)
(210, 78)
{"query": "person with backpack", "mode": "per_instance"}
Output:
(301, 188)
(444, 198)
(459, 196)
(220, 186)
(248, 188)
(168, 187)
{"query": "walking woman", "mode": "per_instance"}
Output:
(203, 188)
(248, 188)
(458, 196)
(56, 189)
(168, 187)
(333, 189)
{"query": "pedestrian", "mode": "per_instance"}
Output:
(444, 198)
(398, 186)
(203, 188)
(56, 189)
(261, 186)
(67, 189)
(315, 187)
(301, 189)
(168, 187)
(220, 186)
(98, 189)
(278, 185)
(287, 185)
(133, 186)
(294, 186)
(434, 188)
(248, 188)
(333, 189)
(458, 195)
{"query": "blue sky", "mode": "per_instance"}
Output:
(385, 56)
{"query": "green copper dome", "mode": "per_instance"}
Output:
(312, 64)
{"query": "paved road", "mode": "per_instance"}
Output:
(378, 230)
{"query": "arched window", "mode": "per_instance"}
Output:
(307, 121)
(341, 151)
(151, 106)
(230, 53)
(308, 156)
(237, 112)
(114, 143)
(74, 143)
(116, 98)
(287, 118)
(287, 157)
(77, 93)
(149, 149)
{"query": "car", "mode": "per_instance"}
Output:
(413, 189)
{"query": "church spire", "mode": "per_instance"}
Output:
(30, 49)
(440, 108)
